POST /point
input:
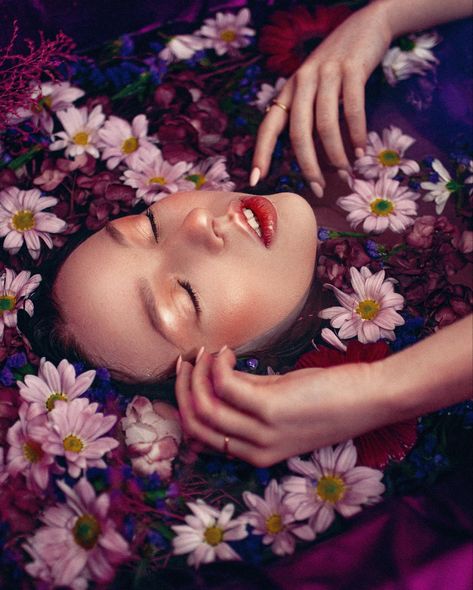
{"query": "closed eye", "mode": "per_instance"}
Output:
(154, 226)
(192, 294)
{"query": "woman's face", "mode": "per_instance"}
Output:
(134, 302)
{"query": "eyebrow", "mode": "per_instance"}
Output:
(116, 234)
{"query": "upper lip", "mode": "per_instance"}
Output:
(266, 215)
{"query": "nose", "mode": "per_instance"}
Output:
(199, 228)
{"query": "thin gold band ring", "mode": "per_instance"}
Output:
(276, 103)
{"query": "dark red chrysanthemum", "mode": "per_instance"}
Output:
(390, 443)
(292, 34)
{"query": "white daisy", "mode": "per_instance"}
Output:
(370, 312)
(267, 92)
(439, 191)
(385, 155)
(15, 290)
(206, 534)
(414, 57)
(380, 205)
(80, 133)
(182, 47)
(22, 220)
(211, 174)
(227, 32)
(154, 177)
(275, 520)
(121, 141)
(331, 483)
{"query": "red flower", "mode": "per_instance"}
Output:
(293, 34)
(376, 448)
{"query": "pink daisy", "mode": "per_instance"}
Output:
(80, 135)
(55, 97)
(384, 156)
(211, 174)
(53, 384)
(227, 32)
(22, 220)
(121, 141)
(370, 313)
(26, 455)
(274, 519)
(206, 534)
(380, 205)
(75, 432)
(331, 483)
(155, 178)
(78, 542)
(14, 292)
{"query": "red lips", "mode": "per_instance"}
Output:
(266, 214)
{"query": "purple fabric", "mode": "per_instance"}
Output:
(409, 543)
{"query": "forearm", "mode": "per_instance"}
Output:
(406, 16)
(432, 374)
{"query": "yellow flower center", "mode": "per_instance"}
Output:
(46, 101)
(86, 531)
(32, 451)
(7, 303)
(330, 488)
(81, 138)
(23, 220)
(274, 524)
(199, 180)
(382, 207)
(73, 444)
(228, 36)
(213, 535)
(130, 145)
(157, 180)
(368, 309)
(53, 398)
(389, 158)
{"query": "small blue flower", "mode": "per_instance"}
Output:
(252, 364)
(323, 234)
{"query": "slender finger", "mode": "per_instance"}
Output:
(327, 117)
(354, 109)
(301, 134)
(271, 127)
(235, 447)
(215, 413)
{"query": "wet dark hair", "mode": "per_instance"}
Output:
(49, 337)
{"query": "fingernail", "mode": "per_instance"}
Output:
(222, 350)
(178, 365)
(317, 189)
(255, 176)
(199, 354)
(344, 175)
(359, 152)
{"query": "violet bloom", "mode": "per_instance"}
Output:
(14, 292)
(23, 220)
(53, 384)
(331, 483)
(274, 519)
(75, 431)
(370, 313)
(78, 541)
(26, 455)
(385, 155)
(380, 205)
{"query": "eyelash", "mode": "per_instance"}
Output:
(192, 294)
(154, 225)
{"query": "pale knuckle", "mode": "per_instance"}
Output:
(329, 69)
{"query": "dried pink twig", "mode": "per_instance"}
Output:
(20, 74)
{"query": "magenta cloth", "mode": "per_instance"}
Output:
(407, 543)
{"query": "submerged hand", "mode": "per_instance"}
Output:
(337, 70)
(269, 418)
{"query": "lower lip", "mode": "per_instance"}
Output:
(266, 214)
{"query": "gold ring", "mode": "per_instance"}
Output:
(276, 103)
(226, 442)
